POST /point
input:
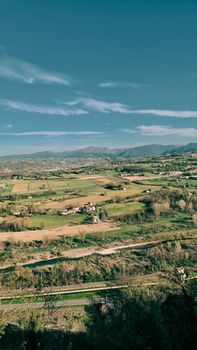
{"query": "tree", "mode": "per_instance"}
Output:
(190, 207)
(19, 278)
(132, 321)
(143, 319)
(181, 204)
(194, 218)
(103, 215)
(160, 207)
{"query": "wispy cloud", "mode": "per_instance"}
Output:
(166, 113)
(122, 84)
(100, 106)
(86, 104)
(166, 130)
(16, 69)
(107, 107)
(53, 133)
(31, 108)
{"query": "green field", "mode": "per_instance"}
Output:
(114, 209)
(52, 221)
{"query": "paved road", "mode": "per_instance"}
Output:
(66, 303)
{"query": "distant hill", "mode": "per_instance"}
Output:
(102, 152)
(190, 147)
(143, 151)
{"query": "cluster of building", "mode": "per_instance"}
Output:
(21, 212)
(87, 208)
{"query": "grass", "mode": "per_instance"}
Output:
(54, 298)
(9, 188)
(124, 232)
(143, 230)
(122, 208)
(52, 221)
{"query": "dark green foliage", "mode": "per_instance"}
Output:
(138, 321)
(130, 320)
(16, 338)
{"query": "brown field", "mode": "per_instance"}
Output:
(40, 235)
(53, 184)
(20, 186)
(95, 199)
(99, 178)
(36, 185)
(73, 201)
(138, 178)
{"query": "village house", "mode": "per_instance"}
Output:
(147, 191)
(70, 211)
(88, 208)
(16, 212)
(96, 219)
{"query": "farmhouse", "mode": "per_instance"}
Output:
(90, 207)
(95, 219)
(16, 212)
(70, 211)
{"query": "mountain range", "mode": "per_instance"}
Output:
(102, 152)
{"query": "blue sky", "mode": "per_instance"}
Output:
(115, 73)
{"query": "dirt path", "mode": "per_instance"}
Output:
(39, 235)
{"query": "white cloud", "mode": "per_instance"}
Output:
(31, 108)
(15, 69)
(100, 106)
(122, 84)
(166, 113)
(53, 133)
(86, 104)
(161, 130)
(107, 107)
